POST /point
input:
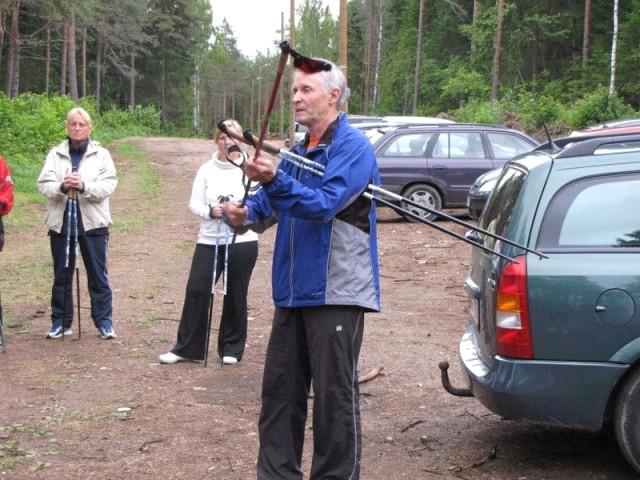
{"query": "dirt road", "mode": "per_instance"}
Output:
(107, 410)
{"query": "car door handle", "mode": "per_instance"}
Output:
(600, 308)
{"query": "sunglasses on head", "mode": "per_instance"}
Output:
(303, 63)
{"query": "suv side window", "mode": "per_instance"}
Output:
(506, 146)
(458, 145)
(595, 213)
(410, 145)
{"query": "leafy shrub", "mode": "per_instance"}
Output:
(31, 124)
(478, 112)
(595, 108)
(534, 111)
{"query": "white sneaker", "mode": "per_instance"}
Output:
(171, 357)
(229, 360)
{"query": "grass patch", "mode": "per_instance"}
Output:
(146, 320)
(146, 189)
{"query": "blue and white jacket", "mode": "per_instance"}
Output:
(326, 249)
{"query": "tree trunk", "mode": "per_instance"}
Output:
(71, 60)
(586, 32)
(14, 40)
(132, 81)
(233, 100)
(253, 102)
(368, 56)
(416, 73)
(98, 70)
(1, 37)
(535, 49)
(497, 53)
(84, 63)
(474, 19)
(47, 64)
(195, 121)
(163, 80)
(292, 40)
(15, 87)
(342, 44)
(378, 59)
(282, 88)
(63, 58)
(614, 47)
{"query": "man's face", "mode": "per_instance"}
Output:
(311, 102)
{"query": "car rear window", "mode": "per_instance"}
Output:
(595, 213)
(499, 208)
(506, 146)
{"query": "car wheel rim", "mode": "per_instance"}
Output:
(422, 198)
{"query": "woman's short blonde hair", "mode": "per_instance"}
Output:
(230, 124)
(82, 113)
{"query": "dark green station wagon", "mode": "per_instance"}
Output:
(556, 339)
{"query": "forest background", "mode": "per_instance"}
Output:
(160, 67)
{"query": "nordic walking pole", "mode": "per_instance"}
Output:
(76, 239)
(3, 340)
(67, 259)
(213, 286)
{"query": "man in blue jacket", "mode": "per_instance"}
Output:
(324, 278)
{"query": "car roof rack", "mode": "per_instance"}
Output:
(583, 145)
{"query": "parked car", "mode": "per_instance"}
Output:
(484, 184)
(409, 119)
(480, 191)
(299, 132)
(356, 119)
(557, 339)
(436, 164)
(623, 122)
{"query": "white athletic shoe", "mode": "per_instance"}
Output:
(229, 360)
(171, 357)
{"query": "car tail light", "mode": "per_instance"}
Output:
(513, 329)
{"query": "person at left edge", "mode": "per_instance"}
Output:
(6, 195)
(6, 204)
(80, 164)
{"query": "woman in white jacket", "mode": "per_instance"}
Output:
(79, 168)
(217, 181)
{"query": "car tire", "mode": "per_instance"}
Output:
(422, 194)
(626, 420)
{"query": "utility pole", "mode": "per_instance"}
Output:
(292, 42)
(281, 93)
(251, 121)
(343, 42)
(257, 126)
(416, 73)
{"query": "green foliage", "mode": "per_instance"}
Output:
(32, 124)
(534, 111)
(138, 121)
(459, 83)
(478, 112)
(597, 107)
(317, 31)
